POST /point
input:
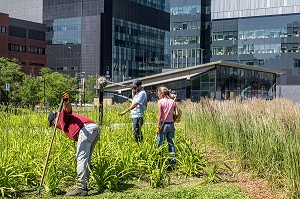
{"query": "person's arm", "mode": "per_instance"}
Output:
(68, 106)
(159, 115)
(132, 106)
(176, 112)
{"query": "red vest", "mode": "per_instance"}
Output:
(71, 123)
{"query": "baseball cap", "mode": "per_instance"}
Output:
(51, 117)
(136, 83)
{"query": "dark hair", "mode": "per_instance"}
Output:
(51, 117)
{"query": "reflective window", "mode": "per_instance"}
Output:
(185, 40)
(2, 29)
(158, 4)
(290, 47)
(258, 41)
(248, 84)
(226, 35)
(138, 50)
(186, 25)
(65, 31)
(17, 47)
(193, 10)
(203, 86)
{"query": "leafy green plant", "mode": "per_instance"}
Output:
(159, 176)
(262, 136)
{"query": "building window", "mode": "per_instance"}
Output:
(269, 33)
(192, 10)
(296, 63)
(36, 64)
(36, 50)
(290, 47)
(16, 47)
(185, 40)
(218, 51)
(3, 29)
(226, 35)
(185, 25)
(65, 31)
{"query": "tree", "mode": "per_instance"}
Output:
(90, 90)
(56, 83)
(10, 72)
(33, 89)
(30, 91)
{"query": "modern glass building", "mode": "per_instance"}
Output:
(258, 33)
(122, 39)
(185, 38)
(217, 80)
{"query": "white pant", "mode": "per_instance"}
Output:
(87, 139)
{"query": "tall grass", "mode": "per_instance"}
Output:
(24, 141)
(264, 135)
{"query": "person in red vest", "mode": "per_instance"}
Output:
(85, 132)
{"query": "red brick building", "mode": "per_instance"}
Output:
(24, 41)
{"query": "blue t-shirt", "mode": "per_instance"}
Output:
(141, 98)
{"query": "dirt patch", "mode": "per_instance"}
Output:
(256, 187)
(253, 186)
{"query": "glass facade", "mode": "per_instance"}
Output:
(157, 4)
(84, 37)
(222, 9)
(224, 83)
(270, 41)
(203, 85)
(73, 35)
(186, 9)
(138, 50)
(185, 38)
(220, 82)
(65, 31)
(246, 83)
(140, 42)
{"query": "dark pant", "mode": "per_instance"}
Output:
(137, 128)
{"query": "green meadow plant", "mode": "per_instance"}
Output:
(159, 176)
(262, 135)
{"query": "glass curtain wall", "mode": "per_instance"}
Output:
(232, 82)
(138, 50)
(185, 33)
(269, 41)
(73, 35)
(225, 83)
(157, 4)
(220, 83)
(203, 85)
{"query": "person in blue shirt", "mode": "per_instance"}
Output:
(137, 109)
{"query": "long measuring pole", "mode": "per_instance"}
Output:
(50, 147)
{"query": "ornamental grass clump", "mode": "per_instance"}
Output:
(263, 135)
